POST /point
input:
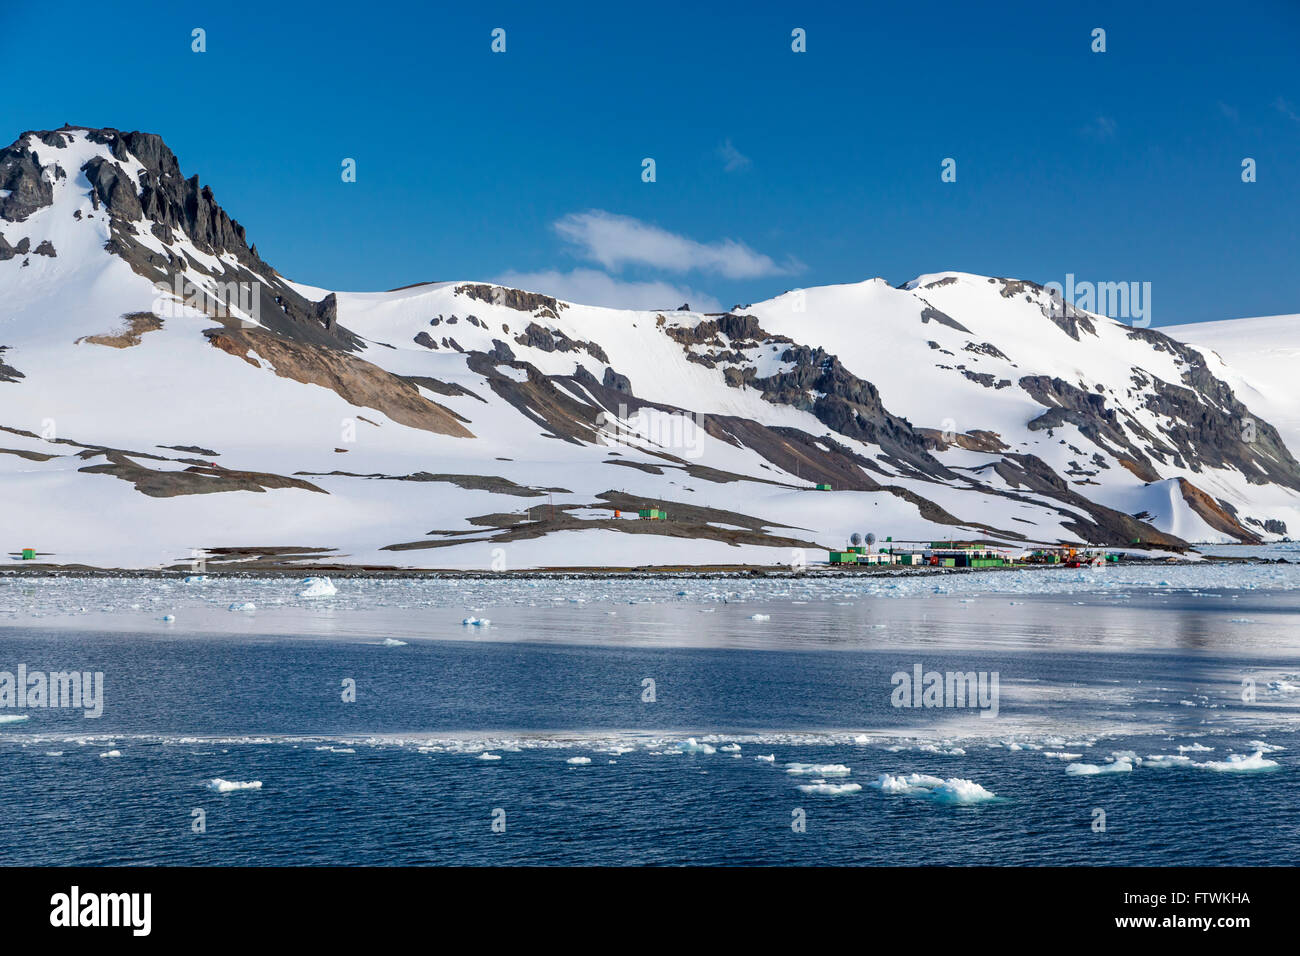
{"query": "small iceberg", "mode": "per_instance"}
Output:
(476, 622)
(760, 617)
(317, 588)
(1092, 769)
(955, 791)
(766, 758)
(232, 786)
(245, 606)
(111, 753)
(822, 788)
(1240, 763)
(818, 769)
(485, 755)
(578, 761)
(392, 642)
(692, 746)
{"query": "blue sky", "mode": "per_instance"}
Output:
(774, 169)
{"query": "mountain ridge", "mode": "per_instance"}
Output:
(966, 406)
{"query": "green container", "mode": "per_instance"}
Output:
(844, 557)
(823, 487)
(29, 554)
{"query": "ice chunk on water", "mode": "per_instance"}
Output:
(820, 769)
(953, 791)
(821, 787)
(317, 588)
(578, 761)
(1092, 769)
(1240, 763)
(232, 786)
(693, 746)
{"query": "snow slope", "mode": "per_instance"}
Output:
(1258, 357)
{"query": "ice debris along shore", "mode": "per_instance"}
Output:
(58, 596)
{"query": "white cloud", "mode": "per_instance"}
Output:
(617, 241)
(593, 287)
(732, 158)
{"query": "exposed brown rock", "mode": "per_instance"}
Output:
(353, 379)
(134, 327)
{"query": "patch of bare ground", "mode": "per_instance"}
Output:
(353, 379)
(198, 479)
(29, 455)
(492, 483)
(1214, 514)
(691, 522)
(134, 327)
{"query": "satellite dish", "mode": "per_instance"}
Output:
(871, 538)
(855, 539)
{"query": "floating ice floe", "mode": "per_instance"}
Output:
(1092, 769)
(12, 718)
(730, 748)
(195, 578)
(169, 618)
(1240, 763)
(245, 606)
(818, 769)
(392, 642)
(476, 622)
(693, 746)
(1061, 755)
(231, 786)
(111, 753)
(760, 617)
(317, 588)
(578, 761)
(485, 755)
(952, 791)
(1167, 760)
(766, 758)
(822, 788)
(1267, 748)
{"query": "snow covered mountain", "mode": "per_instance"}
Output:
(163, 390)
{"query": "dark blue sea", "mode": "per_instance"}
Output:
(769, 734)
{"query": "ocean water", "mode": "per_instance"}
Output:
(1123, 735)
